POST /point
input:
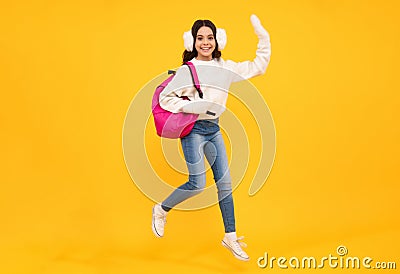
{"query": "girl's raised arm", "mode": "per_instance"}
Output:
(258, 66)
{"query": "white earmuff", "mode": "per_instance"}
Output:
(188, 39)
(221, 39)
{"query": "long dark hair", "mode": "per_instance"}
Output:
(189, 55)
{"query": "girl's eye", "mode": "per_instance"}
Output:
(211, 38)
(199, 38)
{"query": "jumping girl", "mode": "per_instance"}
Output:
(203, 46)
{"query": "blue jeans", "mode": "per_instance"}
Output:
(206, 139)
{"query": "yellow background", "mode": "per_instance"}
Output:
(68, 72)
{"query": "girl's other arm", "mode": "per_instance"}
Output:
(170, 97)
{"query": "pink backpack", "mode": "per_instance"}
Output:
(174, 125)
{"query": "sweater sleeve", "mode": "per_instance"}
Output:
(248, 69)
(180, 85)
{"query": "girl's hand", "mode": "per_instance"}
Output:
(258, 28)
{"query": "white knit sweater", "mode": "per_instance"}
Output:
(215, 78)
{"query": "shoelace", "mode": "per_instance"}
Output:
(162, 218)
(237, 245)
(241, 243)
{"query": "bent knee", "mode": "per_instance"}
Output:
(197, 182)
(224, 186)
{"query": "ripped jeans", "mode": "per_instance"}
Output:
(205, 139)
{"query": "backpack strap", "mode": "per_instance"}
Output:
(195, 78)
(171, 72)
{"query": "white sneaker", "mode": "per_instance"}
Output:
(159, 220)
(235, 246)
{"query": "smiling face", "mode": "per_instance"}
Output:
(205, 44)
